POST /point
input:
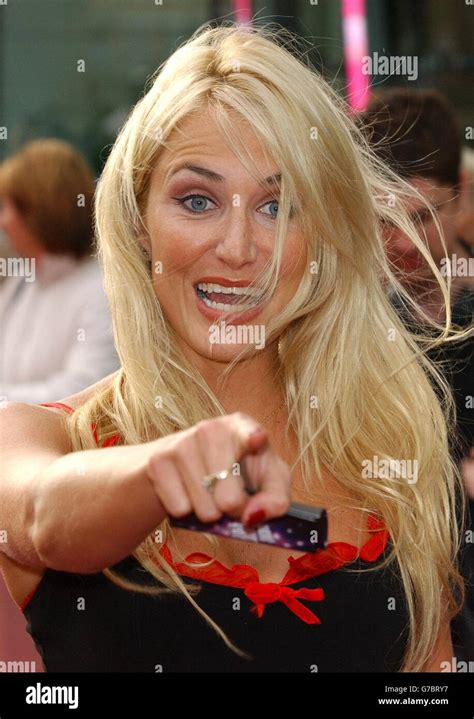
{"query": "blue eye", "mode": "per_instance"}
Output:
(274, 209)
(198, 203)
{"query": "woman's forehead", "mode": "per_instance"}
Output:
(200, 143)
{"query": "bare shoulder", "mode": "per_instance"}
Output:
(29, 427)
(80, 398)
(31, 437)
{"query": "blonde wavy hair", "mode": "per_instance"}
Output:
(340, 339)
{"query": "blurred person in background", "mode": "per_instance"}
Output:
(54, 317)
(417, 135)
(466, 219)
(466, 231)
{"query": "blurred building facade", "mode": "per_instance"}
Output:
(73, 68)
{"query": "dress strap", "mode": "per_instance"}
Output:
(58, 405)
(109, 442)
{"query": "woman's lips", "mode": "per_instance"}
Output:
(239, 317)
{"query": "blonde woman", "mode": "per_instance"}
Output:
(239, 192)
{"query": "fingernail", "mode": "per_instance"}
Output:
(255, 518)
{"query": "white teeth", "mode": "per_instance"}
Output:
(222, 289)
(224, 307)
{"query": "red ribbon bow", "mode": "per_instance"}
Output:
(265, 593)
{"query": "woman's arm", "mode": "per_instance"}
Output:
(84, 511)
(73, 511)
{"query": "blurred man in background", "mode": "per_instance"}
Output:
(55, 327)
(416, 134)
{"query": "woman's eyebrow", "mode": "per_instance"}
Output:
(211, 175)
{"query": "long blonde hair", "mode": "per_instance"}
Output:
(340, 339)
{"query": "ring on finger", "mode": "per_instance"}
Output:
(210, 479)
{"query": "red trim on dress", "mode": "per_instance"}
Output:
(28, 598)
(311, 564)
(109, 442)
(59, 405)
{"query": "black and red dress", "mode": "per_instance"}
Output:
(325, 615)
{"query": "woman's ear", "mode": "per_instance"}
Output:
(143, 237)
(144, 243)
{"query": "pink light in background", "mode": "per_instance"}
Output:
(356, 46)
(242, 10)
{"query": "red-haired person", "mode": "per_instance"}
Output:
(56, 329)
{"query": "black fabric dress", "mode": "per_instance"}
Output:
(85, 623)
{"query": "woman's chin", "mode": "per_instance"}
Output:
(226, 349)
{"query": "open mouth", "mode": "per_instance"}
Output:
(228, 299)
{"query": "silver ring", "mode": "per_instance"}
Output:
(210, 479)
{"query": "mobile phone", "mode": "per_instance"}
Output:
(304, 528)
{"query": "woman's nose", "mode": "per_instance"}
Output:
(236, 245)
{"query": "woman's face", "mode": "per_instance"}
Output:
(211, 231)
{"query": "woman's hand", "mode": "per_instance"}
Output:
(181, 461)
(86, 510)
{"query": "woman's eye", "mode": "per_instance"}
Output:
(197, 203)
(273, 204)
(200, 204)
(273, 207)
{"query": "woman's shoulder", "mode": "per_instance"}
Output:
(27, 429)
(74, 401)
(43, 425)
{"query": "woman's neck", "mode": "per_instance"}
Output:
(251, 387)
